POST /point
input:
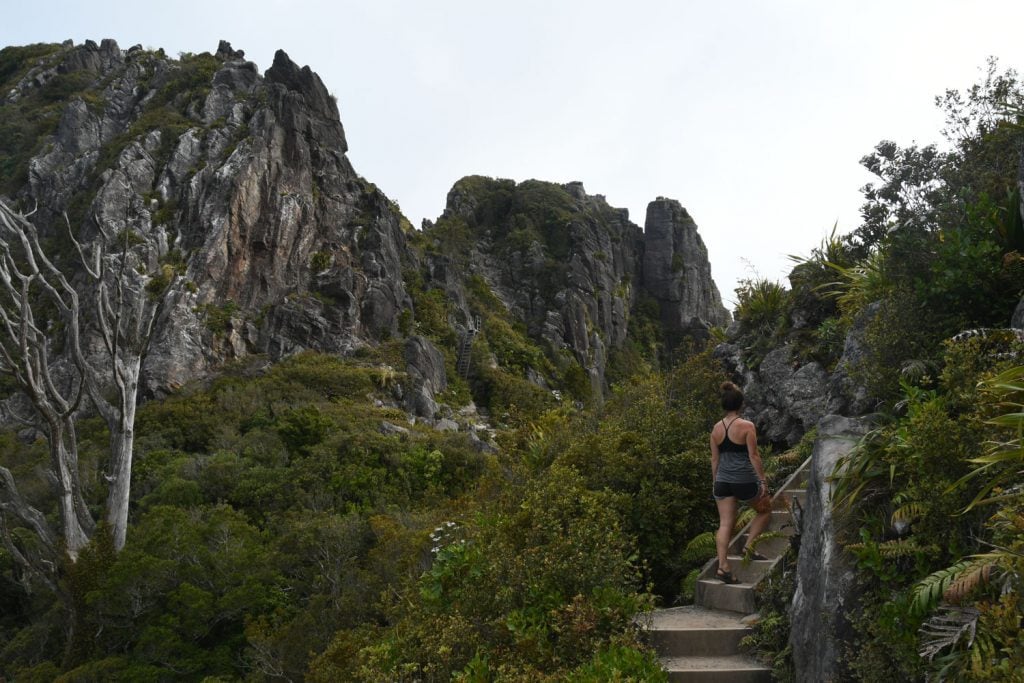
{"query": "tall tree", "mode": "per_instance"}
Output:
(122, 310)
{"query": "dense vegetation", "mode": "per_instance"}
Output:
(289, 523)
(932, 502)
(275, 521)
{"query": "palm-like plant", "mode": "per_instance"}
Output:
(1003, 465)
(972, 634)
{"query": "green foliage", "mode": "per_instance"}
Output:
(770, 634)
(700, 547)
(930, 590)
(218, 316)
(508, 398)
(644, 349)
(16, 59)
(892, 479)
(576, 381)
(25, 122)
(885, 644)
(811, 307)
(761, 306)
(269, 512)
(761, 309)
(656, 467)
(320, 261)
(622, 664)
(971, 253)
(540, 583)
(165, 213)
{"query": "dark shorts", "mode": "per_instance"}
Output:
(744, 492)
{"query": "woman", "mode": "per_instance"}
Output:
(737, 475)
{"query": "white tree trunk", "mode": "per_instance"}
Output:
(124, 314)
(122, 438)
(75, 520)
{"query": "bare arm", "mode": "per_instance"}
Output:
(755, 455)
(714, 457)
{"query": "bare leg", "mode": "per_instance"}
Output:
(757, 527)
(726, 522)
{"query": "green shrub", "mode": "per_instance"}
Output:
(320, 261)
(761, 307)
(537, 585)
(16, 59)
(648, 446)
(625, 663)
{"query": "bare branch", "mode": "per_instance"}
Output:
(32, 568)
(125, 320)
(97, 253)
(11, 501)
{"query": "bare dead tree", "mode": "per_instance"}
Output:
(124, 313)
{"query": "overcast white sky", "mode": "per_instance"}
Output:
(752, 114)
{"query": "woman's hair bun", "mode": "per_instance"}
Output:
(732, 397)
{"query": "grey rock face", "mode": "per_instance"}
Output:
(847, 396)
(676, 270)
(786, 398)
(791, 398)
(239, 185)
(281, 246)
(1017, 321)
(824, 575)
(427, 376)
(393, 429)
(782, 398)
(577, 289)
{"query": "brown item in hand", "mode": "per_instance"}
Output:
(763, 503)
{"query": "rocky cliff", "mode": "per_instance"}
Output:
(240, 184)
(574, 270)
(262, 239)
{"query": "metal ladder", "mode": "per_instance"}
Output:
(465, 348)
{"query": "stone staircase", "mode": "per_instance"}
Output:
(700, 643)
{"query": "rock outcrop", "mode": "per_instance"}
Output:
(425, 365)
(824, 575)
(239, 184)
(677, 273)
(262, 239)
(786, 396)
(572, 268)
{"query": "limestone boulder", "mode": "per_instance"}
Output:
(825, 575)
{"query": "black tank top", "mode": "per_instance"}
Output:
(734, 464)
(730, 446)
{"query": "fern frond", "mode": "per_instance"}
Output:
(766, 536)
(929, 590)
(946, 628)
(855, 471)
(902, 547)
(743, 518)
(700, 547)
(968, 581)
(688, 587)
(908, 512)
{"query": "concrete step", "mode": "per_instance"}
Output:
(751, 572)
(782, 520)
(695, 632)
(731, 669)
(772, 548)
(700, 643)
(737, 597)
